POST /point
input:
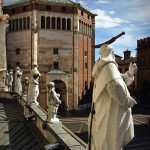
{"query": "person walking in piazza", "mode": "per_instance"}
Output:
(53, 103)
(18, 84)
(33, 88)
(110, 124)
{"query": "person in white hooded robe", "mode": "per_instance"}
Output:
(110, 126)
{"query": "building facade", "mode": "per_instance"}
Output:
(123, 66)
(143, 61)
(59, 37)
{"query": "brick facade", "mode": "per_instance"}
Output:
(143, 53)
(57, 37)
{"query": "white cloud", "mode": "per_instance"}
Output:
(105, 21)
(135, 9)
(111, 12)
(140, 13)
(103, 1)
(82, 2)
(126, 40)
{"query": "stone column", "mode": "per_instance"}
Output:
(34, 37)
(3, 66)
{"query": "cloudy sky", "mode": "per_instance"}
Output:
(115, 16)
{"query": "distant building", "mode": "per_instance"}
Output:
(117, 57)
(123, 66)
(143, 61)
(59, 37)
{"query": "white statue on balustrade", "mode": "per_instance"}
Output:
(53, 103)
(33, 88)
(18, 84)
(110, 121)
(10, 80)
(25, 86)
(7, 80)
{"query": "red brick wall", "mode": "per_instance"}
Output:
(143, 53)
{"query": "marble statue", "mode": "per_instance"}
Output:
(10, 80)
(33, 88)
(25, 87)
(110, 121)
(6, 80)
(53, 103)
(18, 84)
(3, 64)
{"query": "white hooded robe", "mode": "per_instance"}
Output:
(112, 124)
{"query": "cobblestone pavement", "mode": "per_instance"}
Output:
(79, 125)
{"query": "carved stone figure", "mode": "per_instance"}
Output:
(3, 65)
(53, 103)
(6, 80)
(10, 80)
(33, 88)
(110, 121)
(25, 86)
(18, 84)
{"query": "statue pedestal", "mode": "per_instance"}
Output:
(55, 120)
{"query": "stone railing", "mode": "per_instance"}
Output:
(52, 132)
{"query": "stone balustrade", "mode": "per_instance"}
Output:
(53, 132)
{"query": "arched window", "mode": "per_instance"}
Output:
(13, 11)
(68, 24)
(64, 9)
(87, 29)
(24, 23)
(55, 51)
(28, 22)
(53, 22)
(48, 22)
(90, 30)
(24, 8)
(63, 24)
(84, 28)
(80, 25)
(20, 23)
(43, 22)
(56, 64)
(16, 24)
(48, 7)
(58, 23)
